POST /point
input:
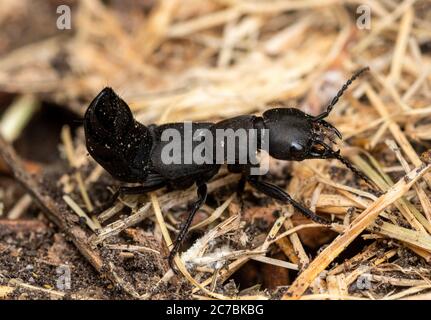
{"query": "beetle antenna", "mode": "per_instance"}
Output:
(352, 168)
(339, 94)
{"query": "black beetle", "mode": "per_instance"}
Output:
(131, 152)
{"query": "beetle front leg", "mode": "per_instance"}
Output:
(279, 194)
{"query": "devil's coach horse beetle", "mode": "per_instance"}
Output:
(130, 151)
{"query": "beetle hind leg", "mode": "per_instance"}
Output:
(125, 190)
(202, 195)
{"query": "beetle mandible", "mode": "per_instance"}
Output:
(131, 151)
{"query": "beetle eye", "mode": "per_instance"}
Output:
(296, 148)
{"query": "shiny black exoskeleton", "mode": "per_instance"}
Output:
(131, 151)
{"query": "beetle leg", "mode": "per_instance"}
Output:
(240, 191)
(279, 194)
(202, 195)
(124, 190)
(105, 206)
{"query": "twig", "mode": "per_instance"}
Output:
(17, 116)
(167, 201)
(20, 207)
(358, 225)
(55, 211)
(177, 259)
(77, 209)
(55, 293)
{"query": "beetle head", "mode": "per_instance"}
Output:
(296, 135)
(291, 133)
